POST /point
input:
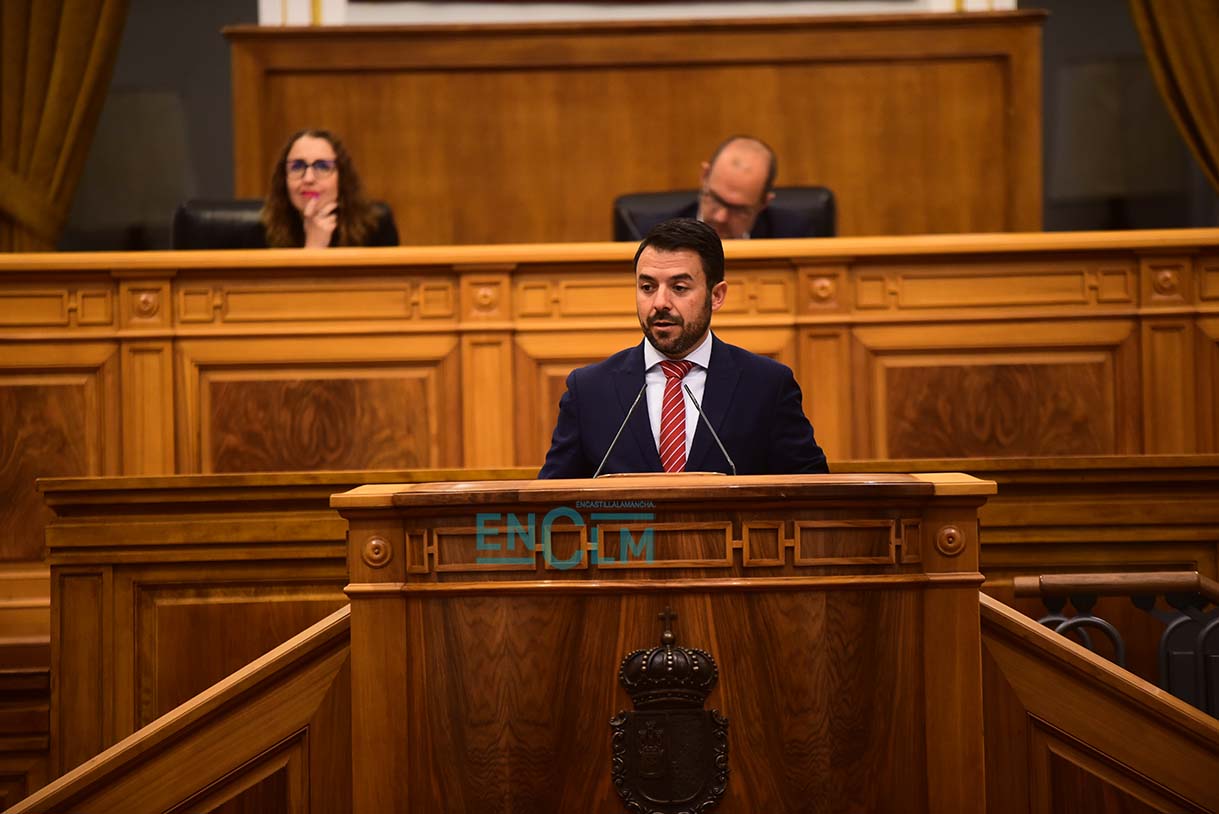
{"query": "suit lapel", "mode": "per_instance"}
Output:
(722, 377)
(627, 381)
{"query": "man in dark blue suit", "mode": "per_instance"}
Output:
(753, 402)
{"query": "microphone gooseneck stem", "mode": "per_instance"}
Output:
(706, 421)
(621, 427)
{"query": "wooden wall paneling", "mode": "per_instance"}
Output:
(25, 680)
(373, 337)
(194, 626)
(146, 313)
(825, 379)
(25, 610)
(148, 408)
(347, 402)
(20, 776)
(486, 430)
(81, 663)
(821, 303)
(542, 367)
(488, 382)
(975, 390)
(564, 321)
(59, 415)
(1168, 286)
(199, 580)
(1208, 384)
(1169, 389)
(898, 97)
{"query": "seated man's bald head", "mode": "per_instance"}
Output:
(736, 185)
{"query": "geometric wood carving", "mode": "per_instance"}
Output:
(999, 410)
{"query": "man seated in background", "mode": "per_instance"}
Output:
(736, 185)
(736, 198)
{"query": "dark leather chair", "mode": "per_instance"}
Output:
(795, 212)
(219, 224)
(229, 224)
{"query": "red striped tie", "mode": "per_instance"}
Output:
(673, 417)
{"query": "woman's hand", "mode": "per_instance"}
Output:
(320, 220)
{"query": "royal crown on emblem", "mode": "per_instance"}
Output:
(668, 675)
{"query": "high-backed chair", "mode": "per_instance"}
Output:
(219, 224)
(795, 212)
(229, 224)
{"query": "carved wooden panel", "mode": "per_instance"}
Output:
(302, 424)
(1069, 392)
(57, 411)
(790, 749)
(605, 296)
(984, 410)
(350, 296)
(343, 403)
(1045, 284)
(40, 305)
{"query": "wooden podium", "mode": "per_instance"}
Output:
(489, 621)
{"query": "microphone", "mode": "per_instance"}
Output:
(622, 427)
(714, 434)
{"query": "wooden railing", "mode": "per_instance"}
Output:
(1135, 584)
(1067, 730)
(273, 737)
(1188, 652)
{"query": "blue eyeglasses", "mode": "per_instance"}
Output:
(322, 168)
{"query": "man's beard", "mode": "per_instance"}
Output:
(686, 338)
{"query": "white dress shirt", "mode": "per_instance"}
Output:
(696, 380)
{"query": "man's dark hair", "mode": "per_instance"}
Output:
(771, 171)
(687, 233)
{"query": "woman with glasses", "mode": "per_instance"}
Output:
(316, 199)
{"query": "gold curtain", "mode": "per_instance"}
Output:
(56, 58)
(1180, 39)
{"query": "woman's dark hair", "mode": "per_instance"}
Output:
(357, 217)
(687, 233)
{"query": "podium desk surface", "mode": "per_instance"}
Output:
(669, 486)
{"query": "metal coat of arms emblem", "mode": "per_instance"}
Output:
(670, 755)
